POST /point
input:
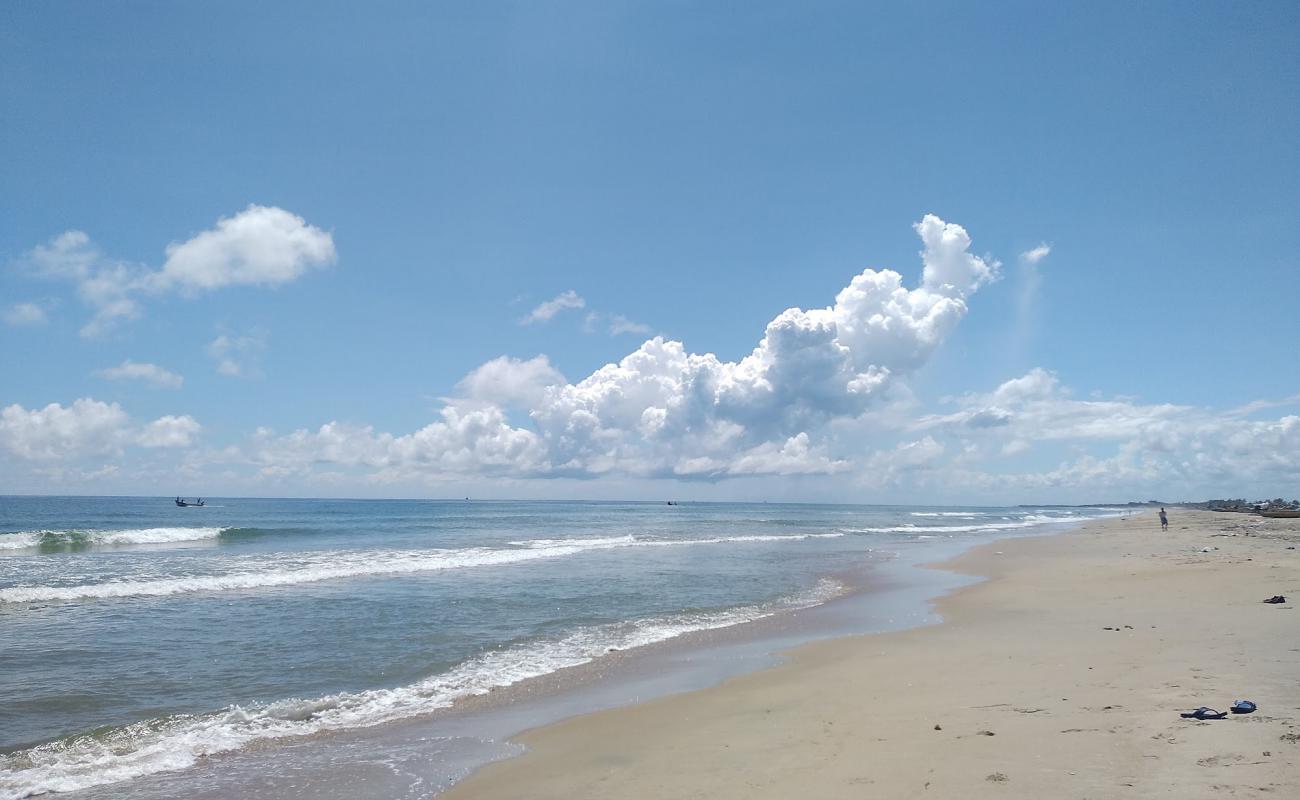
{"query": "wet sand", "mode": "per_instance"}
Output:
(1063, 675)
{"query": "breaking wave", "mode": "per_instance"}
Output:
(77, 539)
(964, 514)
(173, 743)
(331, 565)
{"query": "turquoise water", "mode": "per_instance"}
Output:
(139, 638)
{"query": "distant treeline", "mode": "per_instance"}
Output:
(1241, 502)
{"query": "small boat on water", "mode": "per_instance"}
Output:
(1281, 513)
(183, 503)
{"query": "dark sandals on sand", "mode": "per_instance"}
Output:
(1204, 712)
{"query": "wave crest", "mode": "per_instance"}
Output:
(1031, 521)
(331, 565)
(81, 538)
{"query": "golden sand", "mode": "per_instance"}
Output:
(1063, 675)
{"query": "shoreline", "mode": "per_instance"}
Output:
(1003, 677)
(887, 593)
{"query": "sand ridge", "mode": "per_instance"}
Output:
(1063, 675)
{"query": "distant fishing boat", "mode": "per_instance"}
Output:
(183, 503)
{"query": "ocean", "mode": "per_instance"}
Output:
(304, 648)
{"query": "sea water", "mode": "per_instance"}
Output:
(141, 643)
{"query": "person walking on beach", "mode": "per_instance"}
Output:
(1164, 520)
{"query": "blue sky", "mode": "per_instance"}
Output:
(402, 183)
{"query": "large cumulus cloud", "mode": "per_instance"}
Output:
(662, 408)
(665, 411)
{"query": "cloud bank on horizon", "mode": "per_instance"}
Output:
(823, 394)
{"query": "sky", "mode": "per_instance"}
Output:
(830, 252)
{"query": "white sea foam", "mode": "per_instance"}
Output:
(632, 541)
(173, 743)
(331, 565)
(789, 537)
(309, 568)
(23, 540)
(156, 535)
(964, 514)
(26, 540)
(1028, 522)
(590, 542)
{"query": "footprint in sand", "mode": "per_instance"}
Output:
(1228, 759)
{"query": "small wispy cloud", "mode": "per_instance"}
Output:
(621, 324)
(1262, 405)
(20, 314)
(614, 324)
(547, 311)
(1028, 317)
(152, 374)
(238, 356)
(1036, 254)
(592, 321)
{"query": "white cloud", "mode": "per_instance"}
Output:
(1037, 407)
(619, 324)
(102, 284)
(902, 463)
(169, 431)
(260, 246)
(1037, 254)
(20, 314)
(615, 324)
(949, 267)
(1015, 447)
(822, 393)
(332, 443)
(152, 374)
(238, 356)
(87, 427)
(545, 312)
(477, 442)
(794, 456)
(68, 256)
(1157, 447)
(511, 382)
(663, 411)
(1261, 405)
(1029, 316)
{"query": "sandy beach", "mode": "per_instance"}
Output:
(1062, 675)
